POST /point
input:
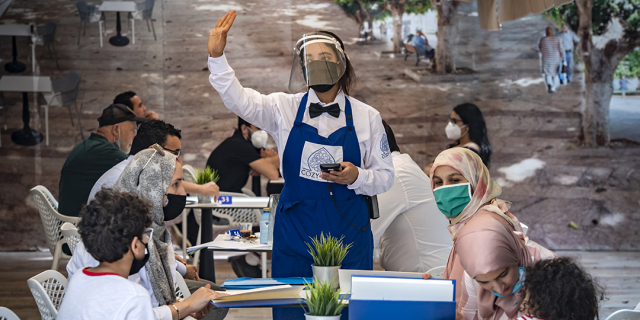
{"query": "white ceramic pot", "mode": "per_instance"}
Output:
(308, 317)
(203, 199)
(327, 274)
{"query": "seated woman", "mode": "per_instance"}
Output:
(464, 191)
(156, 176)
(467, 127)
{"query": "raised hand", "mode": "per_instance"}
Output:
(218, 36)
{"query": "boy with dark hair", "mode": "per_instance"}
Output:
(114, 231)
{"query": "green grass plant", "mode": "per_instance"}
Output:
(322, 300)
(328, 251)
(206, 175)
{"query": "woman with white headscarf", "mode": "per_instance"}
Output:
(156, 176)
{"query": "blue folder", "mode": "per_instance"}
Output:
(389, 309)
(254, 283)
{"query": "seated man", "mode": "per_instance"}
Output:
(411, 233)
(133, 102)
(94, 156)
(422, 44)
(238, 156)
(115, 229)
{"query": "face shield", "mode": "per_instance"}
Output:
(318, 62)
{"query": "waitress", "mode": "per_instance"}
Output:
(317, 124)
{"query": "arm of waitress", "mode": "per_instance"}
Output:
(260, 110)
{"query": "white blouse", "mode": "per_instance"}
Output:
(275, 113)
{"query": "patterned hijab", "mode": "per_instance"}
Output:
(485, 190)
(151, 184)
(487, 244)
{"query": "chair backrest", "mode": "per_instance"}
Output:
(146, 8)
(182, 290)
(51, 219)
(71, 235)
(236, 216)
(625, 314)
(7, 314)
(68, 86)
(47, 33)
(436, 272)
(189, 173)
(48, 290)
(85, 11)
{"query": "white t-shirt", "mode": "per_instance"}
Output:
(96, 296)
(411, 232)
(81, 259)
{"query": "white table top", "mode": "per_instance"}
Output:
(15, 30)
(221, 237)
(25, 84)
(239, 202)
(122, 6)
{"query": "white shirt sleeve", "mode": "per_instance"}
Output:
(138, 307)
(391, 204)
(252, 106)
(376, 173)
(79, 260)
(161, 313)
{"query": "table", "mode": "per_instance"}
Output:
(262, 250)
(16, 30)
(206, 268)
(120, 6)
(25, 84)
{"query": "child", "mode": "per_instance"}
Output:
(559, 289)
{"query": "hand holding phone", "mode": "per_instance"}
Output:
(328, 167)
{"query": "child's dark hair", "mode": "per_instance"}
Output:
(111, 221)
(559, 289)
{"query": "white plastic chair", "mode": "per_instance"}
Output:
(65, 94)
(48, 289)
(7, 314)
(189, 174)
(436, 272)
(70, 235)
(182, 290)
(235, 216)
(625, 314)
(51, 221)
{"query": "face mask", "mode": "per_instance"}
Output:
(453, 131)
(259, 139)
(174, 205)
(138, 264)
(322, 87)
(452, 199)
(518, 284)
(323, 73)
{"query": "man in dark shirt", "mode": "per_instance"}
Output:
(94, 156)
(236, 157)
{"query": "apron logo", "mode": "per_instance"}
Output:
(313, 155)
(384, 147)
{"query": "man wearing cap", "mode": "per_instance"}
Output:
(94, 156)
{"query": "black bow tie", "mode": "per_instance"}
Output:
(315, 110)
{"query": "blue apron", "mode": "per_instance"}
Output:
(306, 209)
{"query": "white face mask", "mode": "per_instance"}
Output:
(259, 139)
(454, 132)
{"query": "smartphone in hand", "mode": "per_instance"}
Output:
(328, 167)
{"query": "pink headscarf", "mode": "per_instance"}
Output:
(487, 244)
(484, 190)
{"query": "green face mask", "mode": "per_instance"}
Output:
(452, 199)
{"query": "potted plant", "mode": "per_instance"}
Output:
(327, 253)
(323, 301)
(204, 176)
